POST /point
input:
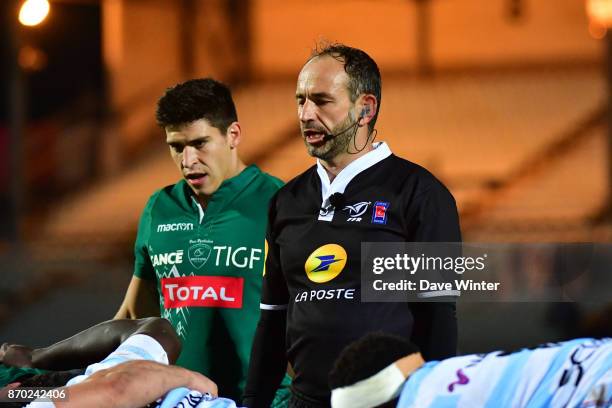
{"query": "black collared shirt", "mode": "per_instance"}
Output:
(313, 260)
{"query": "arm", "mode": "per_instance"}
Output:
(140, 300)
(435, 323)
(133, 384)
(268, 362)
(92, 345)
(435, 329)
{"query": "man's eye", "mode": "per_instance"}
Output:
(176, 148)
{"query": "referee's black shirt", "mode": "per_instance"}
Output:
(313, 265)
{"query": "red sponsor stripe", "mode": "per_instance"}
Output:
(202, 291)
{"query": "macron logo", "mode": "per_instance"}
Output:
(177, 226)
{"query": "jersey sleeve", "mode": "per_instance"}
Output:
(274, 295)
(435, 323)
(433, 217)
(143, 268)
(268, 361)
(435, 213)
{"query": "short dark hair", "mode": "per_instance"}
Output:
(362, 71)
(367, 356)
(197, 99)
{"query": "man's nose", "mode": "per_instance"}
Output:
(190, 156)
(307, 111)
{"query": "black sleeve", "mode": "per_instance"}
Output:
(434, 216)
(268, 362)
(435, 323)
(274, 292)
(435, 329)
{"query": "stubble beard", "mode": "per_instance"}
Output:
(336, 145)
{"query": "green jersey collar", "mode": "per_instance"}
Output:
(227, 191)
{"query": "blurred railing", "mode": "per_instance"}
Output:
(61, 152)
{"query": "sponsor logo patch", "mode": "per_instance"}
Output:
(198, 253)
(168, 258)
(265, 256)
(356, 210)
(202, 291)
(177, 226)
(379, 212)
(325, 263)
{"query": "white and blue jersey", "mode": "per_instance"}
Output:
(575, 373)
(186, 398)
(143, 347)
(137, 347)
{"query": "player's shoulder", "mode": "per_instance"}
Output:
(260, 188)
(411, 172)
(414, 177)
(267, 180)
(304, 183)
(172, 193)
(418, 381)
(169, 191)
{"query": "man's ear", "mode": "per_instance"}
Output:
(369, 107)
(234, 134)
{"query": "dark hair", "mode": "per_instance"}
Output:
(362, 71)
(367, 356)
(197, 99)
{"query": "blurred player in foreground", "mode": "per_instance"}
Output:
(382, 370)
(379, 370)
(134, 374)
(136, 384)
(56, 364)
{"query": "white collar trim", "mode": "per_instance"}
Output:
(381, 151)
(200, 209)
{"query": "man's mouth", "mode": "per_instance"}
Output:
(314, 137)
(196, 179)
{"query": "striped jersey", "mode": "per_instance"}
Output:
(143, 347)
(575, 373)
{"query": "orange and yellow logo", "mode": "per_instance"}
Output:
(325, 263)
(265, 256)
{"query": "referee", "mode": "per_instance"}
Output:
(358, 191)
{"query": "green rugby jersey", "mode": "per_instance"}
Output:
(9, 374)
(208, 267)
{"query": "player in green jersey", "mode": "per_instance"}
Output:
(200, 245)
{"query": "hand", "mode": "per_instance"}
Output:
(5, 390)
(134, 384)
(199, 382)
(16, 355)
